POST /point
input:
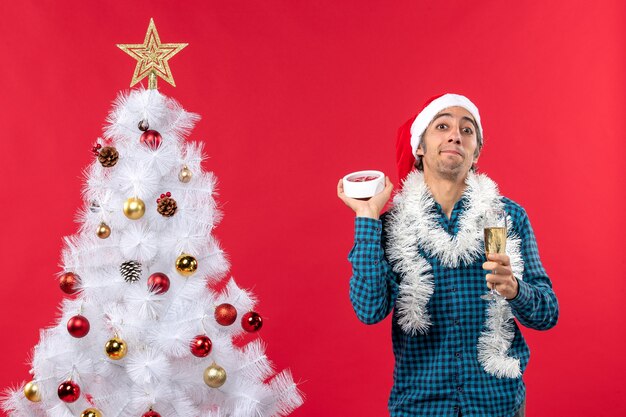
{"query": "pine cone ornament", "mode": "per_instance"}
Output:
(166, 205)
(131, 271)
(108, 156)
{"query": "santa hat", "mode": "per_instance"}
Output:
(410, 133)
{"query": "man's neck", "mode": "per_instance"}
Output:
(445, 191)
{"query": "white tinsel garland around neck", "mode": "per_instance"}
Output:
(413, 226)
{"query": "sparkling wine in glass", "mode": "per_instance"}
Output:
(495, 228)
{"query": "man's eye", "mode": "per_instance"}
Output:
(468, 130)
(441, 126)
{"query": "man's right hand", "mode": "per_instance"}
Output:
(367, 208)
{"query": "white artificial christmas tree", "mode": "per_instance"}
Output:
(143, 334)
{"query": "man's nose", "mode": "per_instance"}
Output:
(455, 136)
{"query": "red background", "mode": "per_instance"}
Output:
(293, 95)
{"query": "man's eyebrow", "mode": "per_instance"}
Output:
(442, 115)
(469, 119)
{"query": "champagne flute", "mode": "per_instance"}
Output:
(495, 227)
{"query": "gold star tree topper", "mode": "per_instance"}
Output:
(152, 57)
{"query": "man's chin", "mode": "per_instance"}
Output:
(452, 171)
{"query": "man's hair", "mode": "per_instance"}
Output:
(418, 159)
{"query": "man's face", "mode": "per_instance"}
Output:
(449, 144)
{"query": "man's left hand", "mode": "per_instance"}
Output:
(499, 266)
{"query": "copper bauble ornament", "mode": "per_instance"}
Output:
(91, 412)
(225, 314)
(185, 174)
(186, 265)
(201, 346)
(103, 231)
(251, 322)
(134, 208)
(68, 391)
(158, 283)
(31, 392)
(69, 282)
(115, 348)
(78, 326)
(214, 376)
(151, 138)
(151, 413)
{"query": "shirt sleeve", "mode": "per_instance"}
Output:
(535, 305)
(373, 286)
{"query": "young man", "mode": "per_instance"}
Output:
(456, 354)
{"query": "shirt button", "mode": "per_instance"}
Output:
(375, 262)
(453, 289)
(458, 354)
(459, 389)
(457, 322)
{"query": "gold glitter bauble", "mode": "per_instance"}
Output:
(185, 174)
(115, 348)
(186, 265)
(134, 208)
(91, 412)
(103, 231)
(31, 392)
(214, 376)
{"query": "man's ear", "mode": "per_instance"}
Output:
(476, 158)
(475, 162)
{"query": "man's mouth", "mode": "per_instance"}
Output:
(452, 152)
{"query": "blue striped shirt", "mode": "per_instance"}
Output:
(438, 374)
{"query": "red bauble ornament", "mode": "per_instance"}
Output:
(68, 282)
(225, 314)
(69, 391)
(158, 283)
(151, 138)
(201, 346)
(251, 322)
(151, 413)
(78, 326)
